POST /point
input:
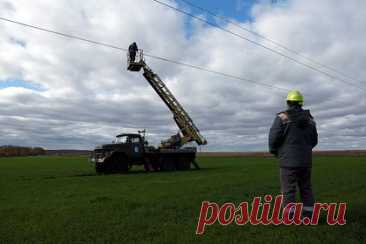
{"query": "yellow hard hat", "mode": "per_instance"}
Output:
(295, 96)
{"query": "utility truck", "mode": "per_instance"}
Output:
(133, 149)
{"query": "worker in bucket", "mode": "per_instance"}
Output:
(132, 49)
(292, 137)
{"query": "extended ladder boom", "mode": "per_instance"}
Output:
(188, 129)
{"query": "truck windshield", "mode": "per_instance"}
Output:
(121, 139)
(126, 139)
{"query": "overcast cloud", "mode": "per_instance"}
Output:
(85, 95)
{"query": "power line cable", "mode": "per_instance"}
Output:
(217, 72)
(145, 54)
(63, 34)
(260, 45)
(276, 43)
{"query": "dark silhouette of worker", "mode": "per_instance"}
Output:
(292, 137)
(132, 49)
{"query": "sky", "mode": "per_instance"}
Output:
(234, 9)
(60, 93)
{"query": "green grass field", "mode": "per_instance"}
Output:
(61, 200)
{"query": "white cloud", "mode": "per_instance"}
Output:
(90, 96)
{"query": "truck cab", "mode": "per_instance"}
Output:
(125, 150)
(134, 143)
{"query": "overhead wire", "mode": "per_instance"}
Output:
(270, 40)
(62, 34)
(259, 44)
(218, 73)
(145, 54)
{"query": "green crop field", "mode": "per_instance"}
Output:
(62, 200)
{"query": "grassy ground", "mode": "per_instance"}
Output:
(61, 200)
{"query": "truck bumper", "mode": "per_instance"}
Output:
(97, 160)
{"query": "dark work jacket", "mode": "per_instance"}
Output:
(292, 137)
(133, 48)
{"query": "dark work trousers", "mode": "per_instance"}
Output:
(293, 178)
(132, 56)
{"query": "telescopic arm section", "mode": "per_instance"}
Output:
(189, 131)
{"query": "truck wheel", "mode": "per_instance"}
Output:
(148, 165)
(117, 163)
(109, 166)
(122, 163)
(156, 165)
(168, 164)
(182, 164)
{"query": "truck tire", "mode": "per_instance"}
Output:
(117, 163)
(167, 164)
(182, 164)
(122, 163)
(156, 166)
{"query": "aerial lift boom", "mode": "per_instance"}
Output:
(130, 149)
(188, 130)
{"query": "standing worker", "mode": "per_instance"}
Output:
(292, 137)
(132, 49)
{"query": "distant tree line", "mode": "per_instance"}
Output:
(14, 151)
